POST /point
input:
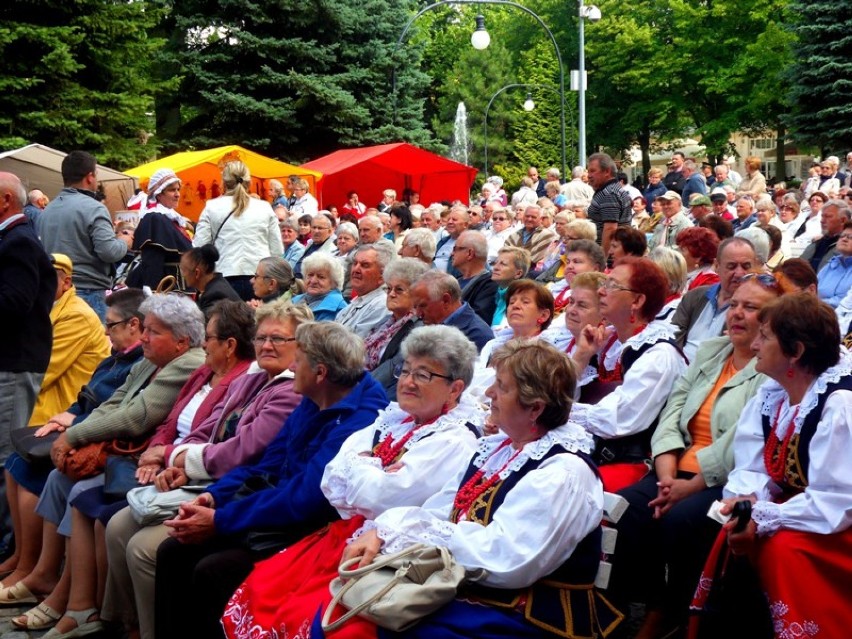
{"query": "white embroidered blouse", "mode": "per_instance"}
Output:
(825, 506)
(634, 405)
(536, 528)
(356, 484)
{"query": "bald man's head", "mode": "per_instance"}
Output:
(13, 196)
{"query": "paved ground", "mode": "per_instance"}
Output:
(8, 631)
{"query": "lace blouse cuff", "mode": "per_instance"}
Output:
(434, 533)
(339, 476)
(418, 527)
(767, 516)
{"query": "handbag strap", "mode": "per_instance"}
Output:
(219, 230)
(328, 625)
(378, 563)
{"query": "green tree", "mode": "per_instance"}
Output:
(821, 77)
(537, 135)
(294, 81)
(76, 75)
(632, 97)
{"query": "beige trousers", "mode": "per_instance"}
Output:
(132, 552)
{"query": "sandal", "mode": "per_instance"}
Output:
(84, 626)
(17, 595)
(39, 618)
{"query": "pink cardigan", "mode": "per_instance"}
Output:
(166, 432)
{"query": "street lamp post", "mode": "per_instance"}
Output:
(481, 35)
(529, 105)
(586, 12)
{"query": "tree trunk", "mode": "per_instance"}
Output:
(780, 168)
(645, 145)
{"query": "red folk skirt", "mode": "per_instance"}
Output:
(807, 578)
(282, 595)
(618, 476)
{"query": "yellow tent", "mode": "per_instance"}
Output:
(201, 174)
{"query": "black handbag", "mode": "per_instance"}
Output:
(33, 450)
(120, 476)
(266, 542)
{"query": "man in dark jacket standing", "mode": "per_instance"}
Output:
(27, 289)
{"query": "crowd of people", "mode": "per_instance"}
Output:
(200, 422)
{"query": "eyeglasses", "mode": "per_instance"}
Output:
(459, 248)
(612, 285)
(763, 279)
(112, 325)
(207, 338)
(419, 376)
(275, 340)
(498, 219)
(846, 236)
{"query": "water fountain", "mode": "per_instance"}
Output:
(459, 147)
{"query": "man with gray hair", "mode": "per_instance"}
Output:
(701, 312)
(576, 189)
(835, 214)
(458, 221)
(694, 181)
(436, 298)
(478, 289)
(369, 306)
(533, 236)
(36, 201)
(611, 205)
(27, 290)
(419, 244)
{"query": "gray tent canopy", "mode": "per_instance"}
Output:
(40, 167)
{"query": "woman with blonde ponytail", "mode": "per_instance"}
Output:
(243, 229)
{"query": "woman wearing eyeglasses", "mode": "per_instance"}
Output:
(525, 513)
(666, 531)
(403, 459)
(272, 280)
(835, 278)
(791, 466)
(383, 343)
(644, 369)
(247, 419)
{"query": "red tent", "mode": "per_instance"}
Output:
(371, 170)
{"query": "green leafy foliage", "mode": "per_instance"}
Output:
(77, 75)
(821, 76)
(291, 80)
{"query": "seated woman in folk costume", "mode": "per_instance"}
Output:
(525, 515)
(642, 373)
(400, 460)
(791, 451)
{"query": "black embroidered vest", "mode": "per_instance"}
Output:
(798, 451)
(565, 602)
(637, 447)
